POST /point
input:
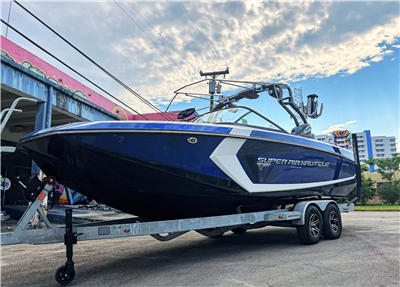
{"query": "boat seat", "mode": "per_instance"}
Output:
(302, 130)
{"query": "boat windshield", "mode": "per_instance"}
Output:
(237, 115)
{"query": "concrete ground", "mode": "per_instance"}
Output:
(367, 254)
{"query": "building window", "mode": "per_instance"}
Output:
(361, 150)
(379, 145)
(392, 145)
(360, 146)
(380, 150)
(360, 141)
(392, 149)
(378, 141)
(363, 156)
(392, 140)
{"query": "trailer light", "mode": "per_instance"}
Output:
(127, 230)
(41, 196)
(280, 216)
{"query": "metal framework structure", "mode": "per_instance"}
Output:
(251, 89)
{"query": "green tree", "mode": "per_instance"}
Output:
(368, 191)
(364, 167)
(387, 167)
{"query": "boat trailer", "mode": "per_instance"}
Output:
(312, 218)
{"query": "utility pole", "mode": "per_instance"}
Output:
(211, 84)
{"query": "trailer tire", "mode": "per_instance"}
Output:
(239, 230)
(310, 232)
(332, 222)
(64, 280)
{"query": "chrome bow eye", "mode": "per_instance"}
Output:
(192, 140)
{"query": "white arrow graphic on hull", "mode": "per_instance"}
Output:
(225, 157)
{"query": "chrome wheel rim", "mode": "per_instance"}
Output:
(334, 221)
(314, 225)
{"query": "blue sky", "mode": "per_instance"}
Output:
(346, 52)
(365, 100)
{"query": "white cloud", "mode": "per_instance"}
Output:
(339, 127)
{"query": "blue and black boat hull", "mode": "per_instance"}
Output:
(162, 174)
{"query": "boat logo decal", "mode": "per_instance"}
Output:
(192, 140)
(266, 162)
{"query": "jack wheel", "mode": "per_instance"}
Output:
(311, 231)
(64, 278)
(333, 222)
(239, 230)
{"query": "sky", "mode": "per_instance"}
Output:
(345, 52)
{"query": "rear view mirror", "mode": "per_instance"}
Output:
(186, 113)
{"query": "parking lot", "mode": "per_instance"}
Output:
(367, 254)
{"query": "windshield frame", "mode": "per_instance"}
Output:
(250, 110)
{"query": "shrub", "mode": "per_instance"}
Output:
(368, 191)
(389, 193)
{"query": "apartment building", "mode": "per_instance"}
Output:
(368, 146)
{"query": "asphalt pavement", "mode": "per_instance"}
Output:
(367, 254)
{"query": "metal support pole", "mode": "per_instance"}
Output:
(358, 168)
(43, 119)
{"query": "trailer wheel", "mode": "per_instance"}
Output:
(310, 232)
(333, 222)
(239, 230)
(63, 278)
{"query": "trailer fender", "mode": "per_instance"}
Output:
(302, 207)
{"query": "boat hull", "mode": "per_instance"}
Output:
(162, 175)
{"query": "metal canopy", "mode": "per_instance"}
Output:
(17, 81)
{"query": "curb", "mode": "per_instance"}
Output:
(389, 210)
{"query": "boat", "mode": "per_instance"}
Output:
(231, 159)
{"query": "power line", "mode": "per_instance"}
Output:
(47, 52)
(162, 37)
(201, 34)
(151, 39)
(97, 65)
(8, 19)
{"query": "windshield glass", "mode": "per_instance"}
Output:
(223, 116)
(239, 115)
